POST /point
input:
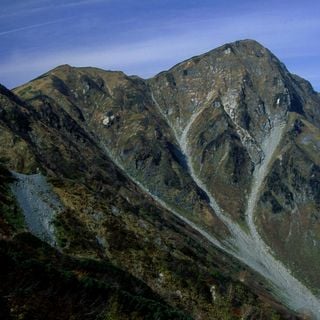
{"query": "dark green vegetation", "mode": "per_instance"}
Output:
(11, 219)
(38, 283)
(120, 254)
(89, 282)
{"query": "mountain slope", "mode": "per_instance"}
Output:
(223, 145)
(229, 103)
(120, 115)
(104, 217)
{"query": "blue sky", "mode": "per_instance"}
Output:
(144, 37)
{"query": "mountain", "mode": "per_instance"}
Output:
(195, 193)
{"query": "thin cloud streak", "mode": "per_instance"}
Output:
(110, 57)
(39, 7)
(32, 26)
(82, 3)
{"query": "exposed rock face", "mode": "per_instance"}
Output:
(225, 144)
(238, 96)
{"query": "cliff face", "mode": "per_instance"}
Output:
(205, 174)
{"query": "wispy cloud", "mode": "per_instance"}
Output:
(124, 55)
(31, 7)
(82, 3)
(32, 26)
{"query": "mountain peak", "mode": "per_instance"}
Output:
(224, 145)
(254, 44)
(63, 67)
(249, 49)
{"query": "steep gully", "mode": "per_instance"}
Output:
(250, 247)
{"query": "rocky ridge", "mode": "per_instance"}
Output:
(225, 142)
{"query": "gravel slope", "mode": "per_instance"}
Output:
(38, 203)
